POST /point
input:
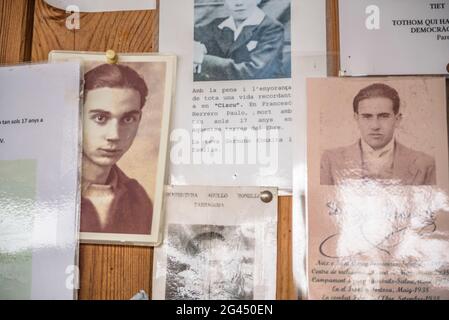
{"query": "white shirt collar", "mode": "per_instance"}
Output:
(254, 19)
(367, 149)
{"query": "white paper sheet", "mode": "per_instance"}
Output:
(261, 163)
(401, 37)
(104, 5)
(220, 243)
(310, 61)
(39, 186)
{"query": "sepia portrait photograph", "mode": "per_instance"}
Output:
(125, 127)
(377, 185)
(242, 40)
(210, 262)
(381, 130)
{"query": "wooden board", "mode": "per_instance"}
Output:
(133, 31)
(115, 272)
(333, 38)
(15, 30)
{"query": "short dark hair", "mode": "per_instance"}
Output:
(377, 90)
(115, 76)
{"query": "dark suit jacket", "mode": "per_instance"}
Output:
(130, 213)
(410, 167)
(256, 54)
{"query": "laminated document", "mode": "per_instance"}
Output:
(220, 244)
(377, 198)
(401, 37)
(40, 153)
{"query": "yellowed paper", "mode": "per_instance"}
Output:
(378, 189)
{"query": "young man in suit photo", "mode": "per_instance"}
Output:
(377, 155)
(245, 45)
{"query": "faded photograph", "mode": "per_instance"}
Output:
(377, 154)
(122, 114)
(377, 145)
(242, 40)
(207, 262)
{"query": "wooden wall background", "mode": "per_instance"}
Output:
(29, 30)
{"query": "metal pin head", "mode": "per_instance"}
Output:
(266, 196)
(111, 57)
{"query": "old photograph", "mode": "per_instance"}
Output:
(125, 123)
(219, 244)
(115, 100)
(242, 40)
(378, 186)
(379, 150)
(209, 262)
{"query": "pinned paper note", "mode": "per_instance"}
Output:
(104, 5)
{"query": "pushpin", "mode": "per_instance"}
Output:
(266, 196)
(111, 57)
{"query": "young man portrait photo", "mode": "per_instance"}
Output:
(377, 154)
(111, 201)
(243, 42)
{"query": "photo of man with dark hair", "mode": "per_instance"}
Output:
(377, 154)
(111, 201)
(245, 44)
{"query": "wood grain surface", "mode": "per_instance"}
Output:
(117, 272)
(131, 31)
(16, 22)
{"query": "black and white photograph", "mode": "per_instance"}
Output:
(210, 262)
(219, 244)
(242, 40)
